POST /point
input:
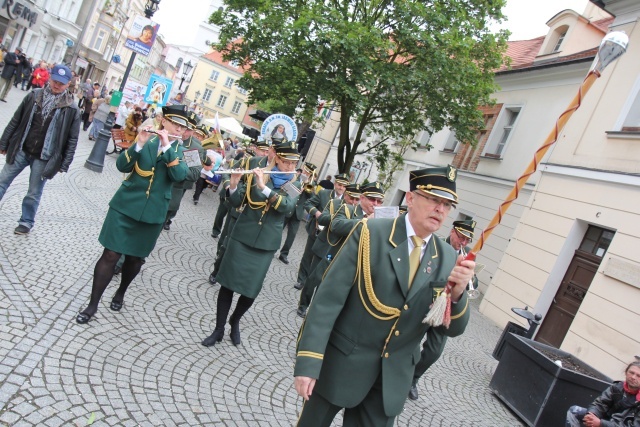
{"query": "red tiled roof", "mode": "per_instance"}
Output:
(603, 24)
(215, 56)
(522, 52)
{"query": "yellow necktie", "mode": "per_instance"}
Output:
(414, 258)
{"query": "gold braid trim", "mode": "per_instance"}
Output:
(310, 354)
(363, 273)
(145, 174)
(347, 215)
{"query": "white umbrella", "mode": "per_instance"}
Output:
(228, 124)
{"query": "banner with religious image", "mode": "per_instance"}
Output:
(158, 90)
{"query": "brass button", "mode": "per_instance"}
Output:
(397, 333)
(386, 355)
(406, 307)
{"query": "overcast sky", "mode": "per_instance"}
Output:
(526, 18)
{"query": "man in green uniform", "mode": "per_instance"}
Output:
(314, 206)
(189, 143)
(325, 241)
(461, 234)
(360, 341)
(293, 222)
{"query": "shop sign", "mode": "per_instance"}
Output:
(22, 13)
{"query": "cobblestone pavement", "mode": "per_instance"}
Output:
(145, 365)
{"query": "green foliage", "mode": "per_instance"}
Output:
(390, 159)
(395, 67)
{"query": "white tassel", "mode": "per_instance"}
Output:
(435, 316)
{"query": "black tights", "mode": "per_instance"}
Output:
(103, 273)
(225, 296)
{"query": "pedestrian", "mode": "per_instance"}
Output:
(617, 406)
(84, 89)
(89, 97)
(461, 234)
(137, 210)
(292, 223)
(255, 238)
(100, 110)
(123, 113)
(314, 206)
(27, 70)
(358, 344)
(43, 135)
(132, 124)
(41, 76)
(326, 183)
(11, 63)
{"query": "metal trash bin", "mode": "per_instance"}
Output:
(534, 321)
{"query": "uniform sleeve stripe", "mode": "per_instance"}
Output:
(463, 310)
(310, 354)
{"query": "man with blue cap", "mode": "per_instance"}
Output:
(43, 135)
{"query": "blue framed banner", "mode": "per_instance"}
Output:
(158, 90)
(142, 35)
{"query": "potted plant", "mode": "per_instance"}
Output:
(539, 383)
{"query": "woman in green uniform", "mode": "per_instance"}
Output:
(256, 236)
(137, 210)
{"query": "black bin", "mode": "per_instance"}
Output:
(510, 328)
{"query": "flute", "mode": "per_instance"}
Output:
(156, 133)
(245, 171)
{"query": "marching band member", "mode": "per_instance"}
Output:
(255, 238)
(137, 210)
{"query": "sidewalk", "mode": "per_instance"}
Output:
(145, 365)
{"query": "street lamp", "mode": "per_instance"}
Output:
(95, 162)
(197, 95)
(186, 67)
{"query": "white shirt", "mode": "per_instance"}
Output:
(123, 113)
(411, 232)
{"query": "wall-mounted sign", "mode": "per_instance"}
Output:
(142, 35)
(22, 13)
(69, 43)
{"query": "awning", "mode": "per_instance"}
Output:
(227, 124)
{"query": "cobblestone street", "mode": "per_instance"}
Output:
(145, 365)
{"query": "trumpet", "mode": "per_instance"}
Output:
(309, 188)
(246, 172)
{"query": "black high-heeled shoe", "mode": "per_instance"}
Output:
(116, 306)
(235, 332)
(83, 318)
(215, 337)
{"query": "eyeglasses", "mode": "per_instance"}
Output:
(462, 237)
(374, 200)
(436, 201)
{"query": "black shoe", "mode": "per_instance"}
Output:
(212, 278)
(284, 259)
(3, 100)
(166, 226)
(83, 318)
(212, 339)
(22, 229)
(235, 332)
(413, 392)
(215, 236)
(301, 312)
(116, 306)
(298, 286)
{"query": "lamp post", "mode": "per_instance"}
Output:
(186, 67)
(95, 162)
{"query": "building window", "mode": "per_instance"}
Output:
(423, 138)
(451, 146)
(234, 64)
(596, 241)
(559, 42)
(631, 121)
(97, 43)
(221, 101)
(242, 91)
(214, 75)
(206, 96)
(502, 132)
(236, 107)
(229, 82)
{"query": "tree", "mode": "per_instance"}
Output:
(390, 160)
(395, 67)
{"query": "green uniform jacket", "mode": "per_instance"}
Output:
(317, 202)
(194, 172)
(144, 195)
(354, 333)
(256, 227)
(321, 246)
(299, 211)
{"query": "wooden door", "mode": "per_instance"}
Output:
(567, 301)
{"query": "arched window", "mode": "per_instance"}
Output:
(558, 37)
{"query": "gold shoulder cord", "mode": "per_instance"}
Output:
(347, 214)
(364, 272)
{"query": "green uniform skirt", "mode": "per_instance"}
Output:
(127, 236)
(244, 268)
